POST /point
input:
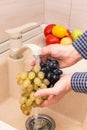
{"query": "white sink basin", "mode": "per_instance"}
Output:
(5, 126)
(69, 114)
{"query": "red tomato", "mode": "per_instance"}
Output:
(51, 39)
(48, 29)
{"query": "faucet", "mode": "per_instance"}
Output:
(17, 48)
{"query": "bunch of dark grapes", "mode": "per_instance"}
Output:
(51, 70)
(41, 76)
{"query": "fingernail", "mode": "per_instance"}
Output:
(37, 95)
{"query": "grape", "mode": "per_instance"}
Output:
(47, 68)
(60, 72)
(34, 104)
(46, 81)
(55, 77)
(41, 75)
(18, 76)
(30, 88)
(48, 62)
(37, 81)
(24, 75)
(32, 97)
(31, 75)
(28, 102)
(42, 64)
(43, 86)
(23, 100)
(25, 109)
(44, 70)
(55, 62)
(38, 101)
(26, 83)
(36, 68)
(52, 65)
(49, 76)
(25, 93)
(26, 112)
(35, 87)
(20, 82)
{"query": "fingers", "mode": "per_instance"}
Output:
(33, 63)
(44, 92)
(46, 50)
(51, 100)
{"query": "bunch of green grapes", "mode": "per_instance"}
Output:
(31, 82)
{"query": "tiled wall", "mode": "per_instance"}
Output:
(71, 13)
(79, 14)
(57, 11)
(17, 12)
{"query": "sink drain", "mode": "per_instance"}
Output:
(45, 122)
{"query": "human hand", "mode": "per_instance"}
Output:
(66, 55)
(57, 92)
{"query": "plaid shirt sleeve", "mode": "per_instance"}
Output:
(79, 79)
(79, 82)
(81, 45)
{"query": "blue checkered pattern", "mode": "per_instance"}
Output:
(81, 45)
(79, 79)
(79, 82)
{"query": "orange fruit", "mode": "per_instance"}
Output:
(59, 31)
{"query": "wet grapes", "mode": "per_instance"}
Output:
(51, 70)
(42, 76)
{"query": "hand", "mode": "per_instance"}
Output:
(57, 92)
(66, 55)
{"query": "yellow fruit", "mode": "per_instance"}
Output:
(66, 41)
(59, 31)
(76, 34)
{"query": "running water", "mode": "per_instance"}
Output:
(37, 123)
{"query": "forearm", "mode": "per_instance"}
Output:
(79, 82)
(81, 45)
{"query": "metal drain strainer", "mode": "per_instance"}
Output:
(45, 122)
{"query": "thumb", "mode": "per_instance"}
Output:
(45, 92)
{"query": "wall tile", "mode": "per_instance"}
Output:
(14, 13)
(79, 15)
(57, 11)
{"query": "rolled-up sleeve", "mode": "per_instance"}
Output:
(81, 45)
(79, 82)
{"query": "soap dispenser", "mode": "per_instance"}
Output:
(16, 63)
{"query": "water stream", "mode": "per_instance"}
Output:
(37, 123)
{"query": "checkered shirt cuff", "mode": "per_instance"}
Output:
(79, 82)
(81, 45)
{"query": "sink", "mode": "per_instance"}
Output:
(70, 113)
(4, 126)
